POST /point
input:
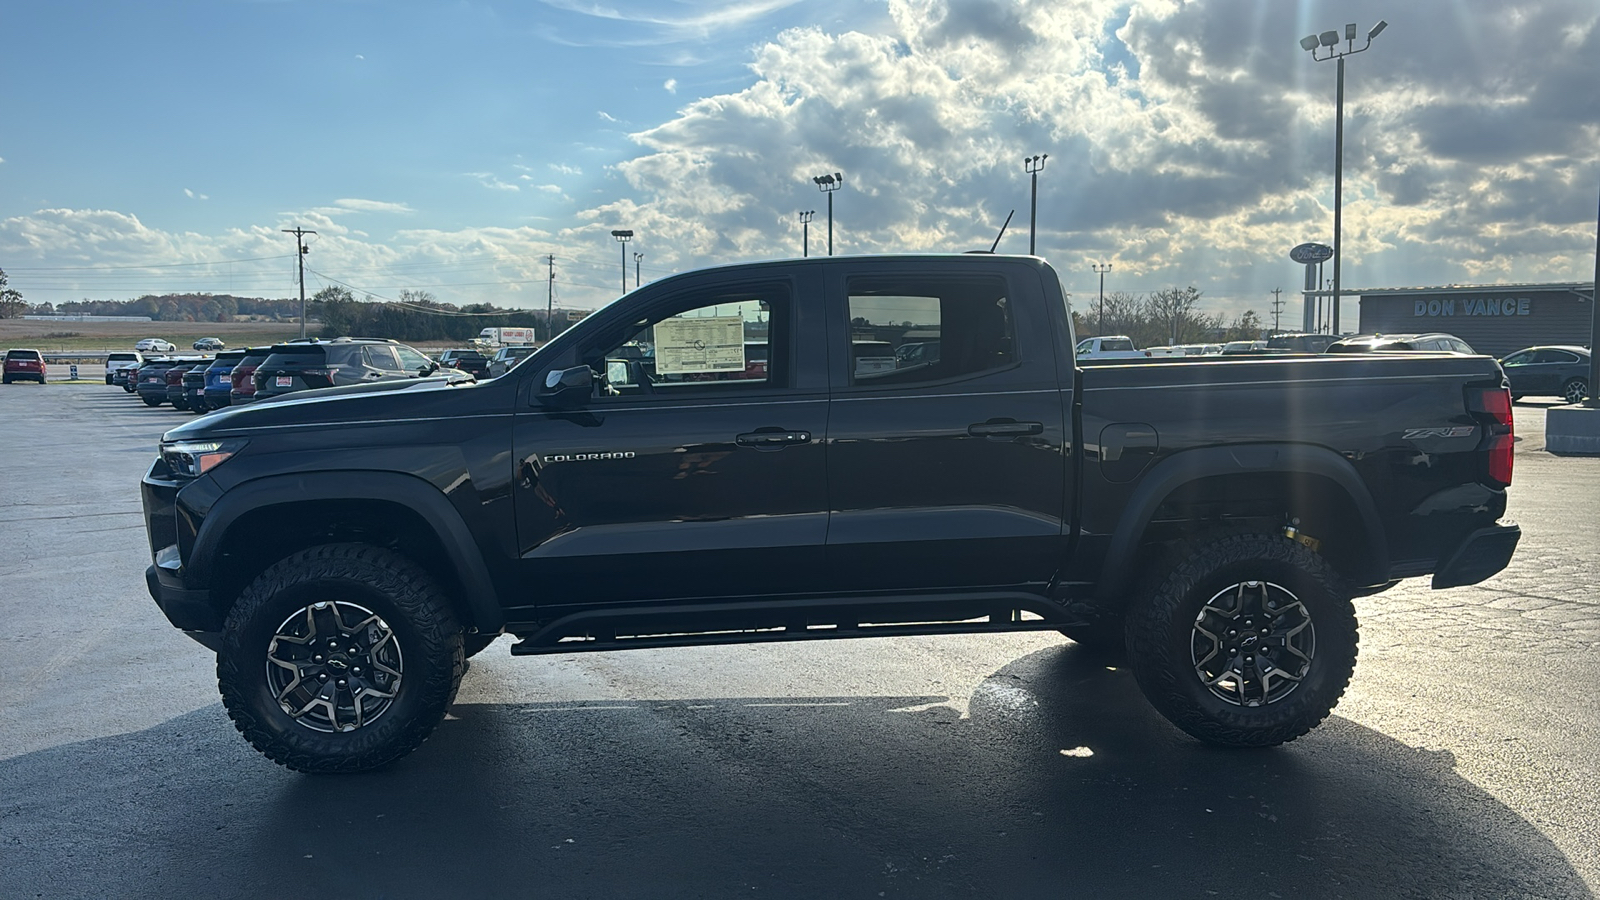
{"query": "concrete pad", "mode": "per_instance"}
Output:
(1572, 429)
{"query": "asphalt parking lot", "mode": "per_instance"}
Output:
(1461, 762)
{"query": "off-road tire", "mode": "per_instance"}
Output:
(389, 585)
(1162, 629)
(108, 379)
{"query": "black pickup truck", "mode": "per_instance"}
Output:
(814, 449)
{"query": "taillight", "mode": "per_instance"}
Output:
(1494, 404)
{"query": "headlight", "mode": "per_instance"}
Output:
(191, 459)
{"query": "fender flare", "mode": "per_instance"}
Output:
(1206, 462)
(460, 549)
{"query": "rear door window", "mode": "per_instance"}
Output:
(909, 329)
(380, 356)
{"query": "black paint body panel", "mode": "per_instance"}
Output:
(543, 512)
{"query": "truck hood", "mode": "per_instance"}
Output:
(331, 407)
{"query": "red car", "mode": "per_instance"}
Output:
(24, 365)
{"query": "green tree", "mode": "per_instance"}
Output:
(11, 304)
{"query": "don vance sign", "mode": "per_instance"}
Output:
(1474, 306)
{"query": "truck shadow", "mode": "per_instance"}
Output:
(1055, 780)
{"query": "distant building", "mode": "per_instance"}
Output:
(86, 318)
(1496, 319)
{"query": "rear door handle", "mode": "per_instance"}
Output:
(773, 439)
(1005, 428)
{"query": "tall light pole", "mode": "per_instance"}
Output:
(636, 258)
(300, 257)
(1033, 165)
(828, 184)
(805, 231)
(1312, 44)
(623, 237)
(1101, 325)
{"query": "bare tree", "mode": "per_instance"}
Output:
(1173, 310)
(1121, 313)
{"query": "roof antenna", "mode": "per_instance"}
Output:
(1002, 231)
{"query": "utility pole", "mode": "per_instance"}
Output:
(623, 237)
(1277, 307)
(828, 184)
(300, 257)
(1313, 44)
(1033, 165)
(805, 231)
(636, 258)
(550, 301)
(1100, 326)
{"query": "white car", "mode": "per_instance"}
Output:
(155, 345)
(1112, 346)
(121, 360)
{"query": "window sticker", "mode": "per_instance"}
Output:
(687, 345)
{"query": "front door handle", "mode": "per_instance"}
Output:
(1006, 428)
(773, 439)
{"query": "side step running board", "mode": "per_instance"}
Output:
(789, 620)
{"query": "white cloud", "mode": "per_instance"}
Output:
(565, 169)
(493, 182)
(1189, 142)
(359, 56)
(671, 85)
(705, 19)
(194, 196)
(359, 205)
(606, 116)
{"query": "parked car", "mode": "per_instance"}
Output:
(121, 359)
(155, 345)
(174, 376)
(1432, 342)
(506, 358)
(467, 361)
(1238, 348)
(1112, 346)
(1560, 371)
(194, 386)
(320, 364)
(24, 365)
(242, 380)
(343, 552)
(209, 343)
(150, 381)
(125, 376)
(1300, 342)
(218, 389)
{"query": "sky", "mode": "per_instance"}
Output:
(454, 147)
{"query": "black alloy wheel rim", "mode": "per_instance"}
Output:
(1252, 643)
(334, 666)
(1576, 391)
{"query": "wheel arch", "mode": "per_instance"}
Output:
(261, 521)
(1299, 478)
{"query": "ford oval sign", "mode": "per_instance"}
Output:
(1311, 253)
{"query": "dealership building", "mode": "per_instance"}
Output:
(1495, 319)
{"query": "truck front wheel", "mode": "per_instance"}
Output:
(1248, 641)
(340, 658)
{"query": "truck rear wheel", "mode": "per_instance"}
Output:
(340, 658)
(1248, 641)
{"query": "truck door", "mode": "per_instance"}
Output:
(946, 468)
(696, 469)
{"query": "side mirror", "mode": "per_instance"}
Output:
(567, 387)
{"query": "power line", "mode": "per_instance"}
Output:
(221, 262)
